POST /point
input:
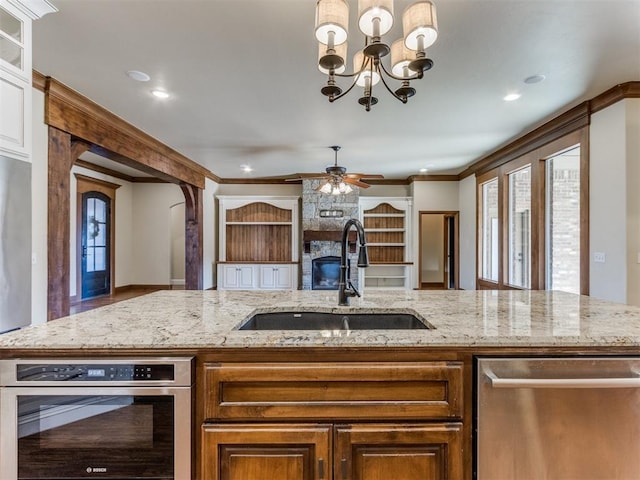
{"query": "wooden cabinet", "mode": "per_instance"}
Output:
(266, 452)
(341, 398)
(387, 223)
(16, 73)
(398, 451)
(261, 232)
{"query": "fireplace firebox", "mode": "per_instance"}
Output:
(325, 273)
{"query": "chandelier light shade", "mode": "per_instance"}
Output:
(401, 57)
(420, 26)
(332, 22)
(375, 19)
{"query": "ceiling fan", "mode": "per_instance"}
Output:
(337, 178)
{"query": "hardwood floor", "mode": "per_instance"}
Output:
(101, 301)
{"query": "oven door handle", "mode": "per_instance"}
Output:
(602, 382)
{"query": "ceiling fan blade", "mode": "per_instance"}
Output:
(355, 182)
(312, 175)
(363, 175)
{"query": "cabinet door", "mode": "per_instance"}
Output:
(407, 452)
(237, 276)
(245, 277)
(282, 275)
(266, 452)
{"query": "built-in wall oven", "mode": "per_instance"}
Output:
(96, 418)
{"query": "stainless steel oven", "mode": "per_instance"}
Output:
(96, 418)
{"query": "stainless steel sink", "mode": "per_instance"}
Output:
(333, 321)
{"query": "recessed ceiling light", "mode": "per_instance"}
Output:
(246, 168)
(424, 170)
(534, 79)
(511, 97)
(138, 76)
(160, 94)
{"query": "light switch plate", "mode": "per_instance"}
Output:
(599, 257)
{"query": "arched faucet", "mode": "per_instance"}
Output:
(346, 290)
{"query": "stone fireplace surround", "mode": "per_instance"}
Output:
(321, 235)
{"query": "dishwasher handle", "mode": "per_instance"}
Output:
(602, 382)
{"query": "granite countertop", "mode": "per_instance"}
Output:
(203, 319)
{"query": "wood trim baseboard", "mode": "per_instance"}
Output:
(126, 288)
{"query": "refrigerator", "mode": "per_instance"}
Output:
(15, 244)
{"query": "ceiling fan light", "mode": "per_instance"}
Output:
(327, 188)
(420, 25)
(332, 16)
(326, 59)
(343, 188)
(401, 56)
(361, 80)
(369, 10)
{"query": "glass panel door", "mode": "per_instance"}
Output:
(95, 244)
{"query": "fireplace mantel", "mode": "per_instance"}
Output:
(309, 236)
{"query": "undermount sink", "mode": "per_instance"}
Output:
(333, 321)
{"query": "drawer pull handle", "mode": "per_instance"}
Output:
(344, 469)
(624, 382)
(320, 468)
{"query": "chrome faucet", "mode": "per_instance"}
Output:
(346, 289)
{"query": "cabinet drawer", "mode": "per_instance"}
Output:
(333, 391)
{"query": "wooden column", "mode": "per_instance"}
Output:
(193, 236)
(62, 153)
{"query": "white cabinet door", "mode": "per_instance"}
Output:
(277, 277)
(237, 277)
(245, 277)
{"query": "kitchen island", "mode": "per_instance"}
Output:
(336, 403)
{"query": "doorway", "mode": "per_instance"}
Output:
(438, 254)
(95, 245)
(95, 237)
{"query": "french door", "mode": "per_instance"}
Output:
(95, 244)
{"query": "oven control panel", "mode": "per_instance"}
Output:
(99, 372)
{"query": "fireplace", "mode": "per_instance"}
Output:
(325, 273)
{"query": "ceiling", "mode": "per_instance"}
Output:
(245, 88)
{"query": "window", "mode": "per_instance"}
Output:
(532, 213)
(489, 230)
(562, 223)
(520, 227)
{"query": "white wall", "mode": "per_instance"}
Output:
(152, 232)
(607, 203)
(430, 196)
(39, 181)
(259, 189)
(467, 233)
(210, 233)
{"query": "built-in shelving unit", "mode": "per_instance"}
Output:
(258, 247)
(387, 223)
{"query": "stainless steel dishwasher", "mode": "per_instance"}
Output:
(558, 419)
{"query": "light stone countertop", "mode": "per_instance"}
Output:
(208, 319)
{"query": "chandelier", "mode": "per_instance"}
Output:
(375, 18)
